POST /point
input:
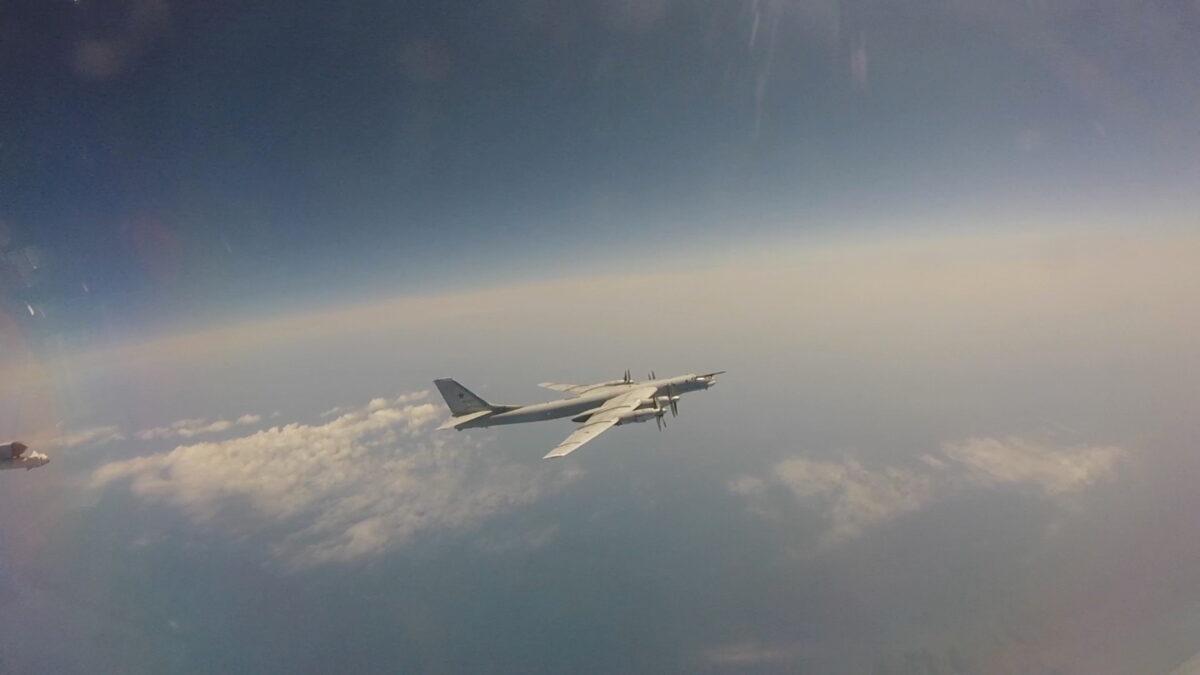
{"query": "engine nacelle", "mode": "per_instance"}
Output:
(14, 456)
(635, 416)
(12, 450)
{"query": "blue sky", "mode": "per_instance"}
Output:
(179, 159)
(946, 251)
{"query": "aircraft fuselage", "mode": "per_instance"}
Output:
(589, 401)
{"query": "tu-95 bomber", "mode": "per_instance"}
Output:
(596, 407)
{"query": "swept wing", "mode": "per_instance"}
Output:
(577, 390)
(603, 419)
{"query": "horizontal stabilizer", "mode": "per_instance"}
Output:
(456, 421)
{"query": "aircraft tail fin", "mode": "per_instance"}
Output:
(461, 400)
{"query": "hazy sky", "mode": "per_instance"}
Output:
(931, 454)
(947, 251)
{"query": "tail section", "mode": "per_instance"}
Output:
(459, 399)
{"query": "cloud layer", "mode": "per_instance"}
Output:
(353, 487)
(93, 436)
(187, 428)
(855, 497)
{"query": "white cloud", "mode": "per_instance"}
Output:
(747, 485)
(94, 436)
(346, 489)
(855, 497)
(188, 428)
(993, 461)
(1189, 667)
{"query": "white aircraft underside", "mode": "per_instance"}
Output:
(597, 407)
